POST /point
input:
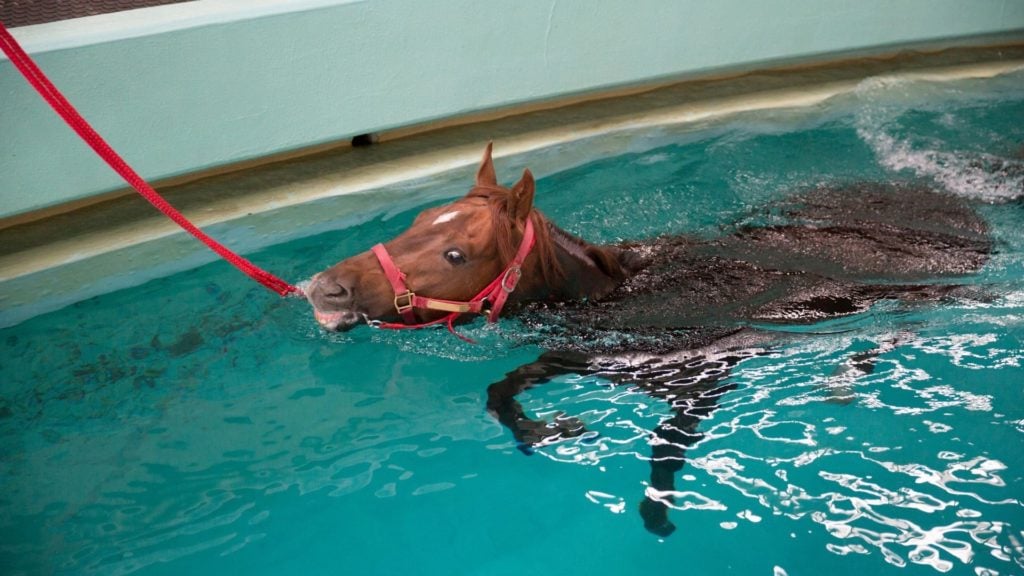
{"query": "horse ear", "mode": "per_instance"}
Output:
(521, 202)
(485, 174)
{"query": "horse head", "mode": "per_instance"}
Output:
(452, 254)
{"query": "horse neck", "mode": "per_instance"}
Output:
(586, 271)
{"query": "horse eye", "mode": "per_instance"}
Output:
(455, 257)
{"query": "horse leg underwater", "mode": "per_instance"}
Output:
(690, 382)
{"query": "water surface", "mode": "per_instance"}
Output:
(199, 425)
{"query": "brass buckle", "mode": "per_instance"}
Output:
(404, 307)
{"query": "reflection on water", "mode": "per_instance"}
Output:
(906, 469)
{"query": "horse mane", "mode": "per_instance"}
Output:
(607, 261)
(508, 236)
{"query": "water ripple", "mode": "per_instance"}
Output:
(779, 446)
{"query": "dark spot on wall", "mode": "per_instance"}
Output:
(363, 140)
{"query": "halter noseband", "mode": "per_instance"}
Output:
(489, 301)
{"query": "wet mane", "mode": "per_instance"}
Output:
(508, 235)
(604, 260)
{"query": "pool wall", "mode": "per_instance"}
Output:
(191, 87)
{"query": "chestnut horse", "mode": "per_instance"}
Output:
(684, 304)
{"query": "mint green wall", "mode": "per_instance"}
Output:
(190, 86)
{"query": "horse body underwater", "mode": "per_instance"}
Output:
(684, 305)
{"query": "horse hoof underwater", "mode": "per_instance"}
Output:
(687, 304)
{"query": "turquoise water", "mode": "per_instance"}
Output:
(199, 425)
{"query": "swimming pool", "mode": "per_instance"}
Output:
(196, 424)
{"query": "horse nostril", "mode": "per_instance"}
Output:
(333, 290)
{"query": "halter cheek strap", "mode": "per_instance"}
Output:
(489, 301)
(406, 301)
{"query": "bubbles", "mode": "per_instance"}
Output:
(911, 126)
(982, 177)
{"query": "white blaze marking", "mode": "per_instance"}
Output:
(446, 217)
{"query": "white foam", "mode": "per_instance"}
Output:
(970, 175)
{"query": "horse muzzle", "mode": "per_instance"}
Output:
(338, 321)
(333, 305)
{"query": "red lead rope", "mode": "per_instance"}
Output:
(56, 100)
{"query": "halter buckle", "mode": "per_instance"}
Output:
(510, 279)
(405, 306)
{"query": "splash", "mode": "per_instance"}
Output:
(984, 176)
(977, 176)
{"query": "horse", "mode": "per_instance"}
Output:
(691, 308)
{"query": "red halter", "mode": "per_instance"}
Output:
(495, 294)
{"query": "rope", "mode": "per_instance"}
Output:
(62, 107)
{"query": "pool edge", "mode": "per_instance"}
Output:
(418, 156)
